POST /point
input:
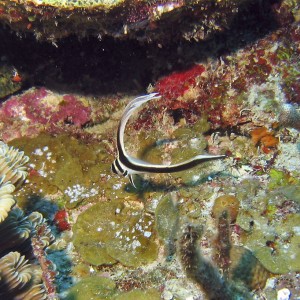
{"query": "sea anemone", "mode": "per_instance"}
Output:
(6, 199)
(15, 231)
(16, 278)
(12, 164)
(22, 237)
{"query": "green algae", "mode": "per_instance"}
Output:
(277, 249)
(101, 288)
(280, 178)
(291, 192)
(166, 218)
(269, 216)
(148, 149)
(197, 175)
(139, 295)
(271, 225)
(7, 85)
(243, 259)
(247, 189)
(109, 232)
(98, 288)
(80, 4)
(167, 221)
(63, 163)
(202, 125)
(117, 187)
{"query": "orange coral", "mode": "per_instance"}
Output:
(265, 138)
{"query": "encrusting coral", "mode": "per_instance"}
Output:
(19, 279)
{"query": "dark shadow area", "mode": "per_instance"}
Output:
(24, 245)
(37, 203)
(93, 66)
(144, 186)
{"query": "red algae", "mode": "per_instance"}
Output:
(61, 220)
(175, 85)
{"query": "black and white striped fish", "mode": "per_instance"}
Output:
(126, 165)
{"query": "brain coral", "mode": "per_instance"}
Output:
(109, 232)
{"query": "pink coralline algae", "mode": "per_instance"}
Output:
(198, 91)
(220, 91)
(40, 108)
(176, 84)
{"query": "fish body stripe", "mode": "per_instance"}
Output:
(146, 168)
(126, 165)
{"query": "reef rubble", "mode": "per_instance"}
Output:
(142, 20)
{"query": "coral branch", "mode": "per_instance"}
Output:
(203, 272)
(38, 245)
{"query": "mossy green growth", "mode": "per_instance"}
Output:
(139, 295)
(63, 163)
(97, 288)
(291, 192)
(201, 126)
(151, 147)
(79, 3)
(7, 85)
(112, 231)
(247, 189)
(272, 223)
(167, 222)
(166, 218)
(187, 148)
(277, 248)
(280, 178)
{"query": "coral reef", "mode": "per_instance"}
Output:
(143, 20)
(105, 288)
(37, 109)
(112, 231)
(6, 199)
(223, 230)
(9, 83)
(271, 236)
(12, 164)
(53, 162)
(202, 271)
(166, 222)
(16, 277)
(21, 236)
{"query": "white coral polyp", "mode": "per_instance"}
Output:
(6, 199)
(12, 164)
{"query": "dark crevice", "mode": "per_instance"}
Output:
(93, 66)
